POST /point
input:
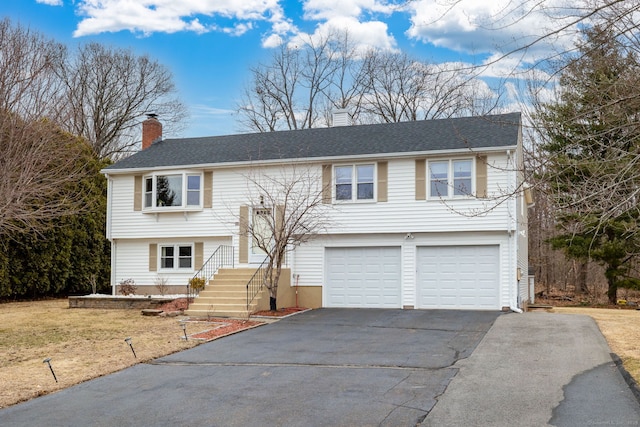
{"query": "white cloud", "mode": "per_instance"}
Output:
(363, 19)
(170, 16)
(50, 2)
(364, 35)
(329, 9)
(503, 26)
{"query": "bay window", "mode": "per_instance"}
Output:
(167, 191)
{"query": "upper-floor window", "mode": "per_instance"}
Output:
(450, 178)
(180, 190)
(354, 182)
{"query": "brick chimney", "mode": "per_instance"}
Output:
(151, 131)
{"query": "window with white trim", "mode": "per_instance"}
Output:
(176, 257)
(173, 191)
(354, 182)
(450, 178)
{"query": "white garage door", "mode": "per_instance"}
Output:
(362, 277)
(458, 277)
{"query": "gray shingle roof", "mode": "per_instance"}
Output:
(405, 137)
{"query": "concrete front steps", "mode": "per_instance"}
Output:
(225, 295)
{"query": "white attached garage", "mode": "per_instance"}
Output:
(458, 277)
(363, 277)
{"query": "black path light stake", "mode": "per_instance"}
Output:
(184, 329)
(128, 341)
(48, 362)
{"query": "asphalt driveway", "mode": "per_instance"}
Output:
(327, 367)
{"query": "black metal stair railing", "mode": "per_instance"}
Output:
(257, 281)
(222, 257)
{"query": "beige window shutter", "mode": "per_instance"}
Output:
(326, 183)
(198, 260)
(383, 172)
(279, 218)
(421, 179)
(481, 176)
(137, 193)
(243, 242)
(153, 257)
(208, 190)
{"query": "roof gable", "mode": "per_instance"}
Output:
(339, 142)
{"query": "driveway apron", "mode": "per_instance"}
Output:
(326, 367)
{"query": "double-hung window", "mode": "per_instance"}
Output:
(354, 182)
(172, 191)
(176, 257)
(450, 178)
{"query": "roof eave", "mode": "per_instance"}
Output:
(274, 162)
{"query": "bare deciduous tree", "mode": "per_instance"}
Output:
(39, 170)
(39, 164)
(27, 79)
(107, 91)
(303, 84)
(401, 88)
(288, 210)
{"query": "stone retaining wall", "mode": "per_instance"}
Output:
(137, 303)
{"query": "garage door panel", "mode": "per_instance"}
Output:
(363, 277)
(462, 277)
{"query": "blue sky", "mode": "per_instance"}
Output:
(210, 45)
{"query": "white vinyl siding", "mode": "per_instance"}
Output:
(131, 260)
(401, 213)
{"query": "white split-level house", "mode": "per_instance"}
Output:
(422, 215)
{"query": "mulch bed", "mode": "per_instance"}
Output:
(222, 327)
(281, 312)
(218, 327)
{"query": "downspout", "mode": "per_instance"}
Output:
(112, 279)
(513, 303)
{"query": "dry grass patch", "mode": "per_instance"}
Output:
(621, 328)
(82, 344)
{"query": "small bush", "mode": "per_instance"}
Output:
(161, 285)
(128, 287)
(197, 283)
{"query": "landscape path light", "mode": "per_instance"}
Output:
(48, 362)
(128, 341)
(184, 329)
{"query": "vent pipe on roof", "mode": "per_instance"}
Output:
(151, 130)
(341, 117)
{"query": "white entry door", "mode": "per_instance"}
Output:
(262, 236)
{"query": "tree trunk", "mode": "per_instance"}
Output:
(272, 304)
(582, 277)
(612, 292)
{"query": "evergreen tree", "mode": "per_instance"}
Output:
(592, 145)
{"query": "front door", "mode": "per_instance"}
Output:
(261, 236)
